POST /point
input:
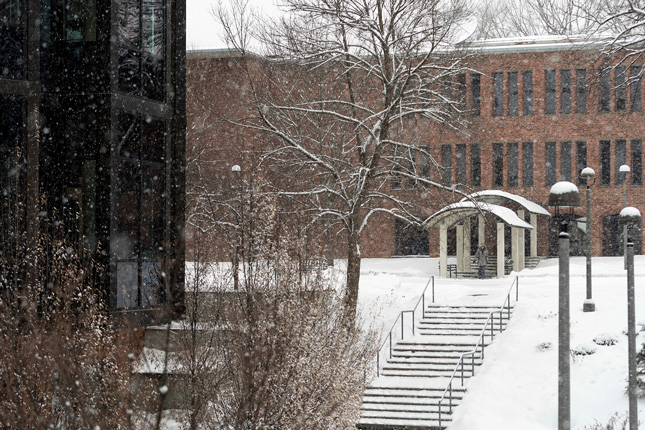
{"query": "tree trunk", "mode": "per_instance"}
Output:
(353, 277)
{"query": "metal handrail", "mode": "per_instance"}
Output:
(482, 337)
(389, 339)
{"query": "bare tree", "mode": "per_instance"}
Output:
(337, 93)
(513, 18)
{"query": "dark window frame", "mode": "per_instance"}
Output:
(637, 161)
(565, 161)
(475, 88)
(476, 165)
(498, 93)
(549, 92)
(513, 94)
(635, 88)
(527, 91)
(565, 91)
(527, 164)
(581, 160)
(550, 163)
(512, 155)
(605, 162)
(604, 102)
(460, 163)
(620, 152)
(581, 90)
(620, 88)
(498, 165)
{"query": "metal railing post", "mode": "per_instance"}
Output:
(402, 334)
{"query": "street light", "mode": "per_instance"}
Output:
(624, 170)
(236, 170)
(588, 174)
(564, 194)
(630, 219)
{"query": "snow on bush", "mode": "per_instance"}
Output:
(606, 339)
(584, 349)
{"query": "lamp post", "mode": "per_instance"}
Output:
(236, 170)
(564, 195)
(588, 174)
(630, 219)
(624, 170)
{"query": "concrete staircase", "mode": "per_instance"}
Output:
(491, 272)
(412, 381)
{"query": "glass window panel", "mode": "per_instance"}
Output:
(424, 159)
(153, 49)
(12, 40)
(635, 88)
(605, 162)
(565, 101)
(637, 162)
(12, 131)
(476, 167)
(396, 168)
(513, 164)
(460, 154)
(410, 162)
(621, 158)
(581, 160)
(565, 161)
(461, 91)
(129, 45)
(476, 93)
(512, 94)
(446, 164)
(129, 136)
(498, 99)
(527, 160)
(605, 91)
(550, 163)
(527, 80)
(153, 140)
(621, 88)
(498, 165)
(80, 20)
(581, 90)
(550, 91)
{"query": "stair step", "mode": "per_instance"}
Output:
(402, 424)
(412, 409)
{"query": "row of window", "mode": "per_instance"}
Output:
(626, 87)
(563, 161)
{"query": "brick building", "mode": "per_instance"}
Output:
(539, 111)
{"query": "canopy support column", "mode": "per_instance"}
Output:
(443, 251)
(522, 242)
(500, 250)
(467, 230)
(534, 235)
(460, 247)
(515, 248)
(481, 233)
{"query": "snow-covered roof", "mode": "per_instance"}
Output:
(538, 43)
(458, 211)
(498, 196)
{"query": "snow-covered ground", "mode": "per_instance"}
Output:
(516, 388)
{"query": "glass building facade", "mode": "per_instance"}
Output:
(92, 124)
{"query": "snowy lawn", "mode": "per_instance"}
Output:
(516, 388)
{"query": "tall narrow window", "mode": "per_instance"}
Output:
(565, 161)
(605, 90)
(512, 94)
(396, 169)
(498, 89)
(476, 166)
(13, 35)
(581, 90)
(527, 82)
(460, 154)
(446, 164)
(635, 88)
(621, 158)
(605, 162)
(550, 163)
(637, 162)
(498, 165)
(411, 168)
(581, 160)
(527, 163)
(565, 98)
(475, 84)
(447, 91)
(513, 164)
(549, 107)
(621, 88)
(424, 160)
(461, 91)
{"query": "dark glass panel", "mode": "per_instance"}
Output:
(527, 80)
(512, 94)
(460, 155)
(129, 136)
(80, 21)
(550, 163)
(637, 162)
(513, 164)
(498, 165)
(476, 167)
(129, 45)
(153, 140)
(527, 160)
(605, 162)
(621, 89)
(605, 91)
(621, 158)
(152, 233)
(565, 161)
(152, 21)
(11, 138)
(565, 102)
(635, 87)
(581, 90)
(549, 107)
(446, 163)
(461, 91)
(12, 39)
(424, 159)
(476, 90)
(498, 89)
(581, 156)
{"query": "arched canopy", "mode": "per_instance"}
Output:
(455, 212)
(498, 197)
